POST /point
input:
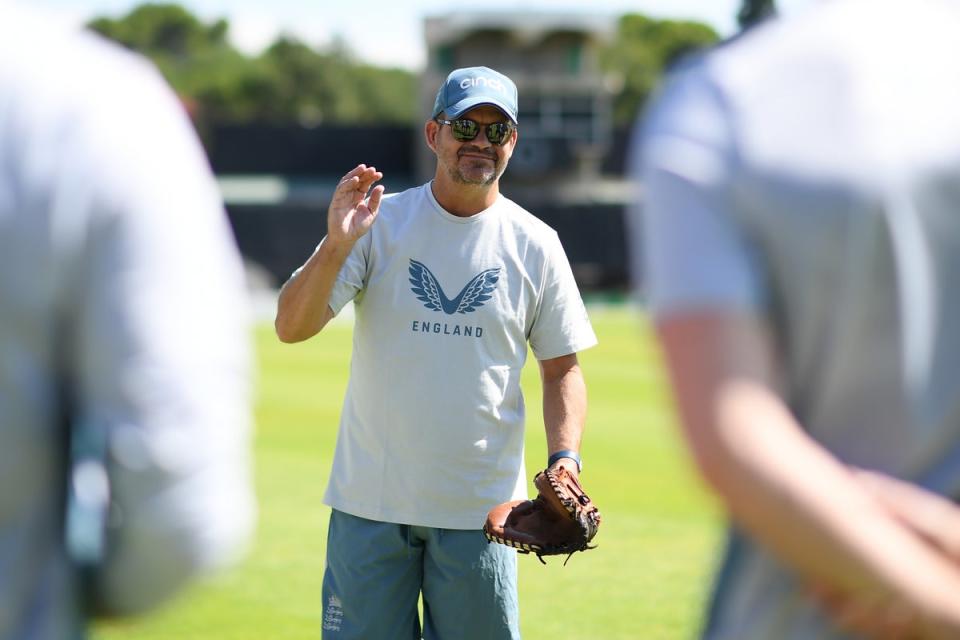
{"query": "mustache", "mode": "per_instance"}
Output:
(477, 151)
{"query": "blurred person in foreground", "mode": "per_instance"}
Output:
(123, 340)
(450, 281)
(802, 254)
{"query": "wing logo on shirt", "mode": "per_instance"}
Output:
(470, 298)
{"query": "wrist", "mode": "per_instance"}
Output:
(565, 453)
(339, 247)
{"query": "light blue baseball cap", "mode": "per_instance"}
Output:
(471, 87)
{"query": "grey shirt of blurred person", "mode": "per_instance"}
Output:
(802, 252)
(451, 281)
(123, 340)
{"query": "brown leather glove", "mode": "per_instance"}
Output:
(560, 520)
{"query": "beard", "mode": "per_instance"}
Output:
(475, 171)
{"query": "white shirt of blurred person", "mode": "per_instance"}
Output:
(122, 303)
(431, 433)
(802, 252)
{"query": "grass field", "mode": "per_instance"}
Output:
(647, 578)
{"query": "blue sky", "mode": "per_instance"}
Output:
(387, 32)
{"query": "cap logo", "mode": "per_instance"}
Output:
(493, 83)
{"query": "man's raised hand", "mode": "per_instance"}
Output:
(351, 212)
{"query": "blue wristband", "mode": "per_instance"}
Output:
(565, 453)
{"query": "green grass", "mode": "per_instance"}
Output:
(647, 579)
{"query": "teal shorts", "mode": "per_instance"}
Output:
(376, 572)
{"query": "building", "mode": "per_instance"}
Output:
(559, 168)
(278, 180)
(554, 59)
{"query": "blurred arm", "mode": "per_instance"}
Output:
(786, 490)
(931, 516)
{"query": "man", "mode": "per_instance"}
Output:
(450, 281)
(801, 192)
(123, 340)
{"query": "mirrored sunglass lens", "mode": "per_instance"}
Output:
(465, 129)
(497, 132)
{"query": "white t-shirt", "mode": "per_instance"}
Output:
(431, 432)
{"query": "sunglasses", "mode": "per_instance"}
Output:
(465, 130)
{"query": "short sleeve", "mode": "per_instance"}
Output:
(691, 251)
(561, 326)
(353, 275)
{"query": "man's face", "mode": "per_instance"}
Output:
(477, 161)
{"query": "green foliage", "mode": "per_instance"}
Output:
(289, 82)
(642, 50)
(166, 30)
(647, 578)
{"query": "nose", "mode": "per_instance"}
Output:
(483, 136)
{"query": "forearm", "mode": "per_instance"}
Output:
(303, 306)
(787, 491)
(814, 515)
(564, 406)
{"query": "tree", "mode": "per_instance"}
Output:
(642, 50)
(289, 82)
(166, 30)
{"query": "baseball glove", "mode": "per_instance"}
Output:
(560, 520)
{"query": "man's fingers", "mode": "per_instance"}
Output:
(877, 620)
(367, 178)
(351, 211)
(932, 516)
(356, 171)
(347, 190)
(358, 179)
(374, 202)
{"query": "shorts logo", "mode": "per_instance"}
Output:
(470, 298)
(333, 617)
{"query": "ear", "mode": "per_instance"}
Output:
(430, 131)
